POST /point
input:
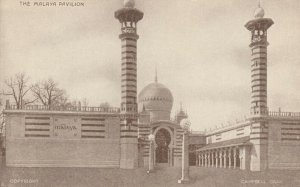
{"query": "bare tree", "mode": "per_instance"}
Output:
(18, 88)
(48, 93)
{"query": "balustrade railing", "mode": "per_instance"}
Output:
(284, 114)
(117, 110)
(63, 108)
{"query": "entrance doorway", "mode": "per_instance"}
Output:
(162, 140)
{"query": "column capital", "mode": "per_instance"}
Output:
(220, 155)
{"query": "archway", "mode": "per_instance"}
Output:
(162, 140)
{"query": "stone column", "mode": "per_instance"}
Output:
(216, 158)
(229, 158)
(241, 157)
(154, 153)
(234, 158)
(241, 163)
(208, 159)
(199, 158)
(205, 159)
(169, 156)
(225, 159)
(221, 158)
(202, 158)
(212, 159)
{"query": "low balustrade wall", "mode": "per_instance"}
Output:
(62, 108)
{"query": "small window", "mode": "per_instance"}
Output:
(261, 32)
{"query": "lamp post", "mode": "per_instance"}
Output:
(185, 125)
(151, 139)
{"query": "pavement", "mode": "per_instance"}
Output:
(162, 176)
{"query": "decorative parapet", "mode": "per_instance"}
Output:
(60, 108)
(284, 114)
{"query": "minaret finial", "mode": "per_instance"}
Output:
(259, 11)
(129, 3)
(155, 73)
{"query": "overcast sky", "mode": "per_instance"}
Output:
(199, 46)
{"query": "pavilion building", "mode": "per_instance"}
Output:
(43, 136)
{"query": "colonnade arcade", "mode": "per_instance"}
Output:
(228, 157)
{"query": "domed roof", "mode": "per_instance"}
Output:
(155, 91)
(156, 96)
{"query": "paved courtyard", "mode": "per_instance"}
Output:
(85, 177)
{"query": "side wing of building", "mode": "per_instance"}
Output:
(62, 139)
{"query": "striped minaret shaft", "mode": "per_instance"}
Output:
(129, 73)
(128, 17)
(259, 79)
(259, 44)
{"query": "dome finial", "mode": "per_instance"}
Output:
(259, 11)
(129, 3)
(155, 73)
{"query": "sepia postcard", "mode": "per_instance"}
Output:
(137, 93)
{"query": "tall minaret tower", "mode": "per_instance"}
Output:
(128, 17)
(259, 44)
(259, 108)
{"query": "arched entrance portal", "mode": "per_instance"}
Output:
(162, 140)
